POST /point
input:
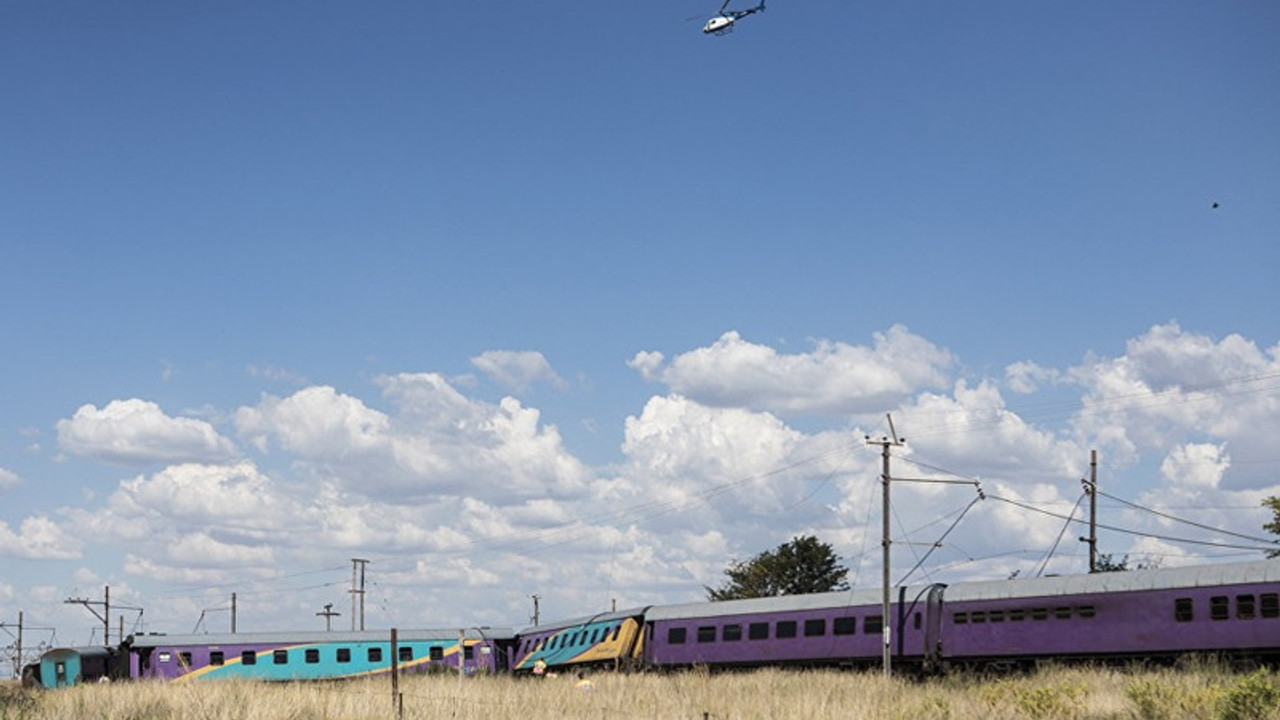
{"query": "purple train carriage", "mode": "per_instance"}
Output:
(316, 655)
(1226, 609)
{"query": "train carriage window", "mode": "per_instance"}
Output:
(996, 616)
(165, 657)
(844, 625)
(707, 634)
(815, 628)
(1039, 613)
(375, 654)
(1183, 610)
(249, 657)
(1244, 607)
(731, 633)
(344, 655)
(1270, 605)
(758, 631)
(312, 656)
(1219, 607)
(405, 652)
(916, 621)
(595, 636)
(468, 652)
(873, 624)
(217, 657)
(977, 617)
(1086, 611)
(280, 657)
(435, 652)
(1062, 613)
(676, 635)
(184, 658)
(785, 629)
(960, 618)
(1017, 615)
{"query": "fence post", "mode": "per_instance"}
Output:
(395, 669)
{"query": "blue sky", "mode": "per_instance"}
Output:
(496, 276)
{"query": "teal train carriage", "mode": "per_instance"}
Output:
(317, 655)
(67, 667)
(610, 640)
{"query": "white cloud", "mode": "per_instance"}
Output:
(834, 378)
(1195, 465)
(39, 538)
(437, 442)
(436, 485)
(8, 479)
(515, 370)
(138, 432)
(1172, 385)
(1025, 378)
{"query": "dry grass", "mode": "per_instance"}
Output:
(1056, 694)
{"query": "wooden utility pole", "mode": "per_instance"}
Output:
(233, 613)
(395, 668)
(536, 598)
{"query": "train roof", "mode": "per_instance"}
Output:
(782, 603)
(585, 619)
(318, 637)
(1134, 580)
(1259, 571)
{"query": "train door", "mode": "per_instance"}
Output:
(933, 627)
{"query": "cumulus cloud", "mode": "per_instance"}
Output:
(8, 479)
(39, 538)
(516, 370)
(834, 378)
(469, 507)
(1027, 377)
(437, 442)
(139, 432)
(1170, 384)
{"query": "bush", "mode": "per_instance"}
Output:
(1252, 697)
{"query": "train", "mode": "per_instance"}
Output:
(1230, 610)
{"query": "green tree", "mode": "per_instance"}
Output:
(803, 565)
(1273, 527)
(1108, 563)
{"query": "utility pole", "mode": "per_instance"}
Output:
(233, 613)
(328, 614)
(1091, 487)
(357, 566)
(104, 616)
(886, 478)
(885, 443)
(536, 598)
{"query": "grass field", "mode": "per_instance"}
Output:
(1203, 692)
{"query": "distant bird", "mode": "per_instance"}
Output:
(1215, 206)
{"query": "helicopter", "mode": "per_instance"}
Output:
(723, 22)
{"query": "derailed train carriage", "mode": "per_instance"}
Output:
(1229, 609)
